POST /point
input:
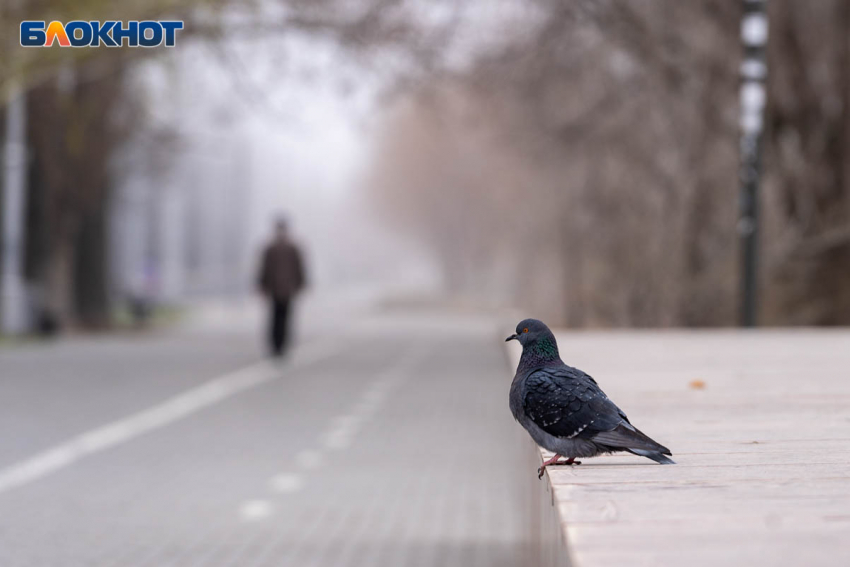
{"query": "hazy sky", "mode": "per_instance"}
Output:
(283, 124)
(256, 142)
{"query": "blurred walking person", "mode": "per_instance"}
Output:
(281, 278)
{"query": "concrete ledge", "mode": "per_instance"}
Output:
(759, 423)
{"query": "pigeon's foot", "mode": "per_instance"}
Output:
(570, 461)
(545, 464)
(555, 462)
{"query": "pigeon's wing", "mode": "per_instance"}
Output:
(566, 402)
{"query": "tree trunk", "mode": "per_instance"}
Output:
(91, 293)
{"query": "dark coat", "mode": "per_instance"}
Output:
(282, 271)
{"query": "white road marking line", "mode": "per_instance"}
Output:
(285, 483)
(347, 422)
(345, 427)
(308, 459)
(171, 410)
(253, 510)
(337, 440)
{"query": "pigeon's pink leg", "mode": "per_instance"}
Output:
(551, 461)
(545, 464)
(554, 461)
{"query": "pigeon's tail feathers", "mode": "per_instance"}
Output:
(626, 437)
(657, 457)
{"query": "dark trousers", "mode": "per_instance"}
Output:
(279, 328)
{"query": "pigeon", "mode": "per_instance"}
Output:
(564, 410)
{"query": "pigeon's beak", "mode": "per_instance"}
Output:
(511, 338)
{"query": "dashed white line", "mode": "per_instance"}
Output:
(345, 427)
(253, 510)
(308, 459)
(342, 428)
(337, 440)
(286, 483)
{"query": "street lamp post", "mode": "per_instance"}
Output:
(754, 32)
(14, 308)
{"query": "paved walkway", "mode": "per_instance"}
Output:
(763, 450)
(368, 448)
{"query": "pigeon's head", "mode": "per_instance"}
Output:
(530, 331)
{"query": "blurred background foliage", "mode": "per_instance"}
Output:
(580, 163)
(590, 163)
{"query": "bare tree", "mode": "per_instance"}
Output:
(606, 148)
(82, 111)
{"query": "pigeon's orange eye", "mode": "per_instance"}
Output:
(525, 330)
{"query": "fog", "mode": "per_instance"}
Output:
(263, 127)
(256, 286)
(431, 145)
(248, 149)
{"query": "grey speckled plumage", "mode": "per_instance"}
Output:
(564, 409)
